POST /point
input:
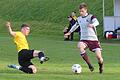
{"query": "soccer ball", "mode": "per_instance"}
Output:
(76, 68)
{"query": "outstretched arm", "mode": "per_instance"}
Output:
(8, 25)
(74, 27)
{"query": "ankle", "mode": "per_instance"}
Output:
(40, 55)
(90, 65)
(18, 67)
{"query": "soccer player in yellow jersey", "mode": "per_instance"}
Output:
(24, 53)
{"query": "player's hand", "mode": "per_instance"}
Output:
(8, 24)
(67, 34)
(90, 25)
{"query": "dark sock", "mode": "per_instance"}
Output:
(100, 64)
(100, 67)
(40, 54)
(87, 60)
(26, 70)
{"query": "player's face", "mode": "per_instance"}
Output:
(83, 11)
(26, 30)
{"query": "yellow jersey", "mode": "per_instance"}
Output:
(20, 41)
(75, 18)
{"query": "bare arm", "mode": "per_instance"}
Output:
(8, 25)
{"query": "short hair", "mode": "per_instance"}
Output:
(24, 25)
(83, 5)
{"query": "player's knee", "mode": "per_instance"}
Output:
(34, 70)
(81, 46)
(82, 51)
(36, 53)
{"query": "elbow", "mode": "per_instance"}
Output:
(12, 33)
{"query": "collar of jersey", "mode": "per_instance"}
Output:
(85, 15)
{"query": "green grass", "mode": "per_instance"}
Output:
(62, 55)
(47, 19)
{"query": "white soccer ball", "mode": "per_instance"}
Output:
(76, 68)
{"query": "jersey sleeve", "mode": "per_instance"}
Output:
(74, 27)
(17, 34)
(94, 20)
(93, 17)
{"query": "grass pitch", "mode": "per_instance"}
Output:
(63, 54)
(49, 17)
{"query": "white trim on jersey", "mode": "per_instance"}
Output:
(74, 27)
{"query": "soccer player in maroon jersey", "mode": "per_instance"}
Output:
(88, 37)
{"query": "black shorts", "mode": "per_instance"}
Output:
(24, 57)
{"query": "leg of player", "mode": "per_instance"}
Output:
(30, 69)
(14, 66)
(100, 60)
(82, 46)
(40, 55)
(34, 69)
(24, 59)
